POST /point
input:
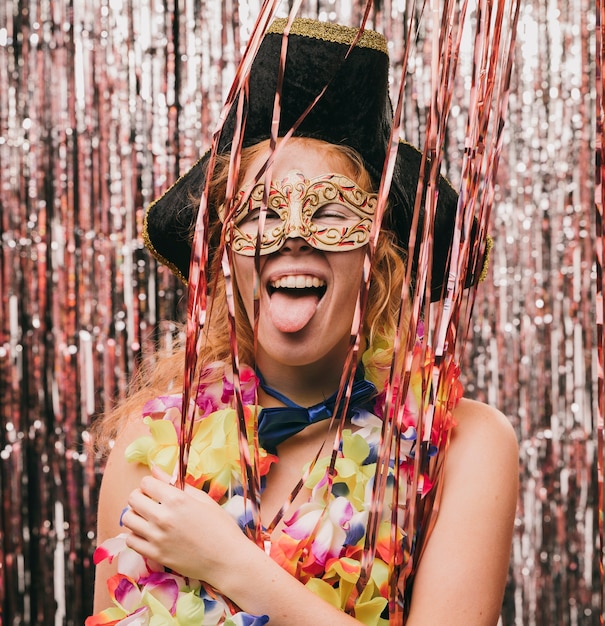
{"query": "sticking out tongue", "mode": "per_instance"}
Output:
(291, 310)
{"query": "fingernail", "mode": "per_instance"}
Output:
(124, 510)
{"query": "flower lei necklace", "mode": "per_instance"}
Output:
(321, 544)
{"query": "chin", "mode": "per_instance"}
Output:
(304, 348)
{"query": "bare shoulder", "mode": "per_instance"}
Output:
(485, 430)
(478, 412)
(483, 450)
(132, 429)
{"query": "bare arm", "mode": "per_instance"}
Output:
(119, 479)
(463, 571)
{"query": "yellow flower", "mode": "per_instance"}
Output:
(160, 448)
(214, 457)
(370, 604)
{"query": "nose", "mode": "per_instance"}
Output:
(295, 245)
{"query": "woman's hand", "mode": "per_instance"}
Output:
(184, 530)
(191, 534)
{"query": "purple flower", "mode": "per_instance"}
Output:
(248, 383)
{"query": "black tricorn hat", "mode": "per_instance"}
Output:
(354, 111)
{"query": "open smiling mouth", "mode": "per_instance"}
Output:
(298, 286)
(293, 300)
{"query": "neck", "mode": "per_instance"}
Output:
(305, 385)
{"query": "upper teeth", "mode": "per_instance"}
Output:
(297, 282)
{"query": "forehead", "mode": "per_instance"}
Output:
(310, 158)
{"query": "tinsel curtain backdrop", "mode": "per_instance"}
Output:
(103, 103)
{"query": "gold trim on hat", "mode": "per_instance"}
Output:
(145, 234)
(328, 31)
(149, 245)
(489, 244)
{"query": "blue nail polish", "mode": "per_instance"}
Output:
(127, 508)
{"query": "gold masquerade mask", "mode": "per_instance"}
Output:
(330, 212)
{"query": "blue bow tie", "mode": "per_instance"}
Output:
(277, 424)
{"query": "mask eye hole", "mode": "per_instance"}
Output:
(249, 224)
(335, 214)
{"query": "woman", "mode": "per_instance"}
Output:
(320, 209)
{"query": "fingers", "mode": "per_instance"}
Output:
(154, 500)
(146, 501)
(198, 494)
(160, 474)
(156, 489)
(143, 517)
(140, 538)
(160, 504)
(159, 487)
(134, 522)
(148, 520)
(140, 508)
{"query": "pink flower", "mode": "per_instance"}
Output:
(162, 403)
(126, 593)
(332, 524)
(248, 383)
(164, 587)
(130, 563)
